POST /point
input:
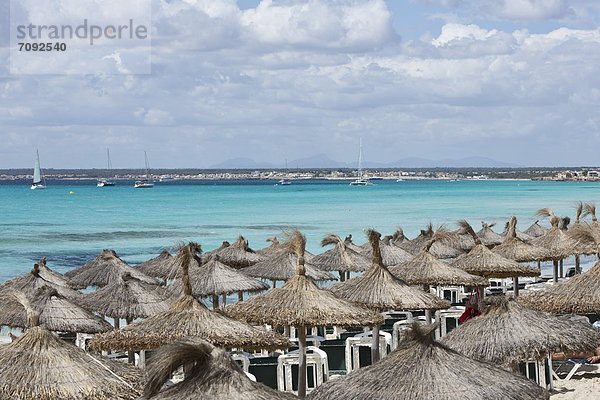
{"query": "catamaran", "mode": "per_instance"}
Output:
(361, 181)
(38, 181)
(145, 183)
(104, 182)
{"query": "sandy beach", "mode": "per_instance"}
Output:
(580, 386)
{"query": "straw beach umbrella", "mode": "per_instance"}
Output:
(104, 269)
(516, 249)
(57, 313)
(438, 249)
(377, 288)
(578, 295)
(487, 236)
(127, 298)
(390, 253)
(423, 369)
(341, 258)
(160, 266)
(40, 366)
(301, 304)
(37, 278)
(214, 375)
(508, 333)
(484, 262)
(188, 317)
(535, 230)
(581, 248)
(237, 255)
(272, 249)
(282, 266)
(520, 235)
(556, 242)
(215, 278)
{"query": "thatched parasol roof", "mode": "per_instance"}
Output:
(425, 269)
(39, 366)
(487, 236)
(57, 313)
(582, 248)
(520, 235)
(237, 255)
(439, 250)
(378, 288)
(484, 262)
(422, 369)
(301, 303)
(340, 258)
(216, 278)
(282, 266)
(390, 253)
(104, 269)
(160, 266)
(557, 243)
(579, 294)
(535, 230)
(272, 249)
(208, 255)
(398, 236)
(508, 333)
(214, 375)
(515, 249)
(188, 317)
(37, 278)
(127, 298)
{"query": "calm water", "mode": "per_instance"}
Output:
(71, 229)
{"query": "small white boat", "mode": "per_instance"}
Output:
(361, 181)
(145, 183)
(38, 181)
(284, 182)
(104, 182)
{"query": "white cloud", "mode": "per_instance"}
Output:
(531, 10)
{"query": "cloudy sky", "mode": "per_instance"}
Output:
(514, 80)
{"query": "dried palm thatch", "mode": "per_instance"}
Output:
(514, 248)
(378, 288)
(578, 295)
(557, 243)
(484, 262)
(590, 209)
(425, 269)
(398, 236)
(282, 266)
(57, 313)
(216, 278)
(127, 298)
(208, 255)
(39, 366)
(238, 255)
(488, 237)
(459, 240)
(104, 269)
(536, 230)
(508, 333)
(272, 249)
(160, 266)
(214, 375)
(519, 235)
(340, 258)
(439, 249)
(39, 277)
(188, 317)
(390, 253)
(582, 248)
(299, 302)
(422, 369)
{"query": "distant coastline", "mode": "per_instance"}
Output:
(170, 175)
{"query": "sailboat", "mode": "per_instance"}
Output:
(145, 183)
(38, 181)
(361, 181)
(102, 182)
(284, 181)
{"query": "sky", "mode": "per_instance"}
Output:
(517, 81)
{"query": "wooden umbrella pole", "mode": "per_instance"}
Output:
(347, 275)
(427, 312)
(342, 276)
(117, 322)
(578, 264)
(555, 270)
(561, 269)
(224, 300)
(215, 301)
(301, 361)
(516, 286)
(375, 345)
(274, 284)
(240, 296)
(130, 353)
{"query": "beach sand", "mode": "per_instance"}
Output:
(581, 386)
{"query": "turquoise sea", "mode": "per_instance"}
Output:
(71, 229)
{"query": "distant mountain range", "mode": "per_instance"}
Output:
(323, 161)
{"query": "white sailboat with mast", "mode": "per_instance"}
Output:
(104, 182)
(145, 183)
(361, 181)
(38, 181)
